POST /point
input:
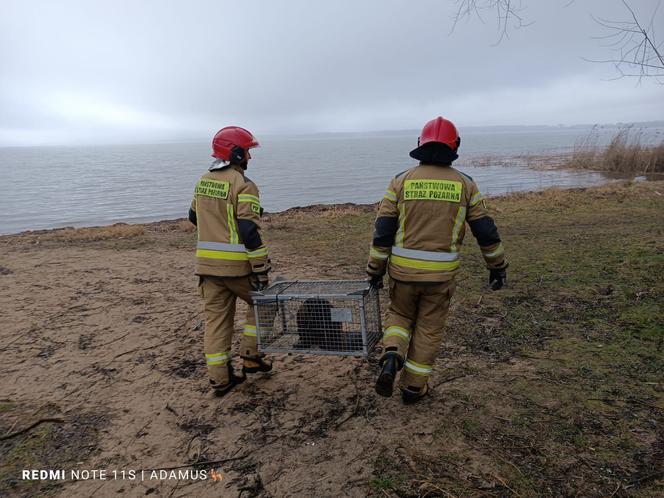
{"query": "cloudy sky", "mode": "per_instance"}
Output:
(93, 71)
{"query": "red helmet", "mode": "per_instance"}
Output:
(442, 131)
(229, 138)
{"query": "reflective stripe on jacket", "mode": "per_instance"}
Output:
(227, 209)
(421, 221)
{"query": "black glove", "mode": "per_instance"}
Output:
(375, 282)
(259, 281)
(497, 278)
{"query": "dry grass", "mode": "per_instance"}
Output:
(320, 211)
(117, 231)
(625, 153)
(186, 226)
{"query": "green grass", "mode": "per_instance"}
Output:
(47, 446)
(584, 305)
(6, 406)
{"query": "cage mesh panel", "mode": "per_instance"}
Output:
(317, 287)
(318, 317)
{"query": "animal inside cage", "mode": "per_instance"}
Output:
(329, 317)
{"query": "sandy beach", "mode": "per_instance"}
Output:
(551, 387)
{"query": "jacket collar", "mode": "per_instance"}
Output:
(238, 169)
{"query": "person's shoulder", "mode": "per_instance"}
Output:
(404, 173)
(464, 177)
(246, 185)
(208, 175)
(462, 174)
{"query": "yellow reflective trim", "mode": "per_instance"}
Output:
(432, 190)
(419, 365)
(476, 199)
(217, 355)
(398, 242)
(396, 331)
(232, 231)
(497, 252)
(218, 362)
(391, 196)
(458, 223)
(258, 253)
(377, 254)
(232, 256)
(424, 265)
(248, 198)
(396, 327)
(212, 188)
(250, 330)
(417, 368)
(217, 358)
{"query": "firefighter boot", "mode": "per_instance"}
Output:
(233, 380)
(412, 394)
(391, 363)
(255, 363)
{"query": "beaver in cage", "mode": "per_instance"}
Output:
(316, 328)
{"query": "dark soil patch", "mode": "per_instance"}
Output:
(84, 341)
(48, 446)
(189, 367)
(196, 427)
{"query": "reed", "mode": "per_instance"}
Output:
(625, 153)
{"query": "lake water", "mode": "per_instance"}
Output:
(48, 187)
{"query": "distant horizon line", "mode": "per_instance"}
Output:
(197, 139)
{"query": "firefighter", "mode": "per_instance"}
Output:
(231, 259)
(418, 234)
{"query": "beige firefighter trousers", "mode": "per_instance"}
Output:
(414, 326)
(219, 296)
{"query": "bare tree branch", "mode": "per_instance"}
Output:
(508, 14)
(637, 52)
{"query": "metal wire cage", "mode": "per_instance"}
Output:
(324, 317)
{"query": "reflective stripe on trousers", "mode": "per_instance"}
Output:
(250, 331)
(397, 332)
(219, 359)
(417, 368)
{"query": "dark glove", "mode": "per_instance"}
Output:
(259, 281)
(497, 278)
(375, 282)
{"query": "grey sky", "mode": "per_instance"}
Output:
(99, 71)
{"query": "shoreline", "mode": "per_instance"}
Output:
(312, 208)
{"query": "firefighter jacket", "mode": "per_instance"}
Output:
(421, 224)
(226, 209)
